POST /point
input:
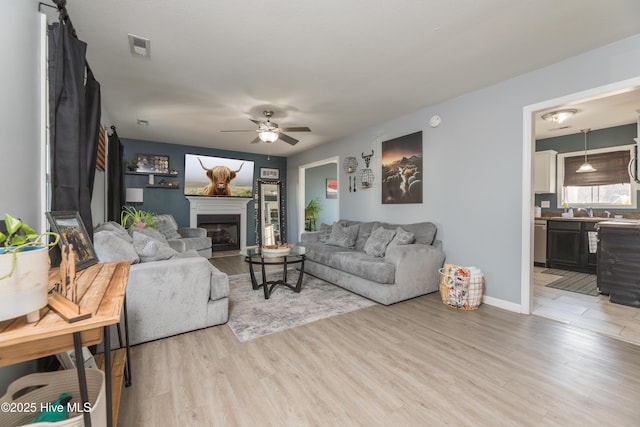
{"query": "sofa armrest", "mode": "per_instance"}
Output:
(177, 245)
(310, 237)
(192, 232)
(416, 263)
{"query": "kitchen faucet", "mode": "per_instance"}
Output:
(588, 211)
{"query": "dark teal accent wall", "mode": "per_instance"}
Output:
(162, 200)
(601, 138)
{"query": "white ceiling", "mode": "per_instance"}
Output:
(337, 66)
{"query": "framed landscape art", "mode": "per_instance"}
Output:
(402, 169)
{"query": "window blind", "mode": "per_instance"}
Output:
(611, 168)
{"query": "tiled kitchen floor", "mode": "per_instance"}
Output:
(584, 311)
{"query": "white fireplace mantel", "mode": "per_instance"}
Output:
(204, 205)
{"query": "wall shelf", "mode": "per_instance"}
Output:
(162, 186)
(151, 173)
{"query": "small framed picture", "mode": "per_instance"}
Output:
(269, 173)
(152, 163)
(332, 188)
(69, 225)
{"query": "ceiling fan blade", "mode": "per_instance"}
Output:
(296, 129)
(258, 122)
(288, 139)
(256, 140)
(239, 130)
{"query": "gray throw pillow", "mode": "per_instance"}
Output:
(403, 237)
(168, 226)
(115, 228)
(111, 247)
(377, 242)
(343, 236)
(325, 232)
(150, 232)
(151, 249)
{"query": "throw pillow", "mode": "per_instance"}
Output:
(114, 227)
(168, 226)
(343, 236)
(150, 232)
(110, 247)
(403, 237)
(151, 249)
(325, 232)
(377, 242)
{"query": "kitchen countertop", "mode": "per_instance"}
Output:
(624, 223)
(575, 218)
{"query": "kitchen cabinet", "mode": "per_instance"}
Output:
(568, 246)
(544, 172)
(619, 263)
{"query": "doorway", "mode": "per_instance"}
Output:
(576, 305)
(316, 181)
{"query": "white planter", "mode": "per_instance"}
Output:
(25, 292)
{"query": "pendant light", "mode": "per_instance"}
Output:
(585, 167)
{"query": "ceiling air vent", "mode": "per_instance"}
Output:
(139, 45)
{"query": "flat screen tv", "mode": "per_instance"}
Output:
(217, 176)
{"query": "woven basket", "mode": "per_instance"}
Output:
(51, 385)
(462, 293)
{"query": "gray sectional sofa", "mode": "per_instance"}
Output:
(384, 262)
(168, 292)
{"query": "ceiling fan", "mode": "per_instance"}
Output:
(269, 131)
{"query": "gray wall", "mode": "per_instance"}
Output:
(601, 138)
(315, 187)
(473, 163)
(20, 125)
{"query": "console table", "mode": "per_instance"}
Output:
(101, 291)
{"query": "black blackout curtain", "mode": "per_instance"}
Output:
(74, 119)
(115, 162)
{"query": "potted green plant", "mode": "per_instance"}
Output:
(132, 217)
(24, 270)
(312, 213)
(133, 165)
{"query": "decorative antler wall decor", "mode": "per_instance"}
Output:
(367, 158)
(366, 176)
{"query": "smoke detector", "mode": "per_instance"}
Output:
(139, 46)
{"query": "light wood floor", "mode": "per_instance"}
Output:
(595, 313)
(414, 363)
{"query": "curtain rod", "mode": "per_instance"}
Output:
(60, 5)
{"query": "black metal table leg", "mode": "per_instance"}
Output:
(267, 292)
(82, 377)
(107, 375)
(128, 378)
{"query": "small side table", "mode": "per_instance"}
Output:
(255, 256)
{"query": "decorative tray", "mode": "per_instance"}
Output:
(275, 252)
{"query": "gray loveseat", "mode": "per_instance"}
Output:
(184, 239)
(168, 293)
(401, 263)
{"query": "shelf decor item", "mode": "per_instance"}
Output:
(365, 176)
(24, 270)
(152, 163)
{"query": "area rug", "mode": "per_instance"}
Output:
(251, 316)
(573, 281)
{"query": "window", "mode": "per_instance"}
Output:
(608, 187)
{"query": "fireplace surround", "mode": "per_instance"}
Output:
(224, 206)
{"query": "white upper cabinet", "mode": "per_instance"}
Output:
(544, 172)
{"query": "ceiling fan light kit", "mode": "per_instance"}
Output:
(269, 131)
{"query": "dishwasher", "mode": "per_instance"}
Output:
(540, 243)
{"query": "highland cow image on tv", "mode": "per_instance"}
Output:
(217, 176)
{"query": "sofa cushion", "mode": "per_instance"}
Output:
(168, 226)
(403, 237)
(110, 246)
(325, 232)
(115, 228)
(197, 243)
(362, 265)
(425, 232)
(343, 236)
(321, 252)
(151, 249)
(378, 241)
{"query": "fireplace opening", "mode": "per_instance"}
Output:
(224, 231)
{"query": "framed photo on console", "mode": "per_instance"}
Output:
(69, 225)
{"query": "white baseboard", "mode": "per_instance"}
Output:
(502, 304)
